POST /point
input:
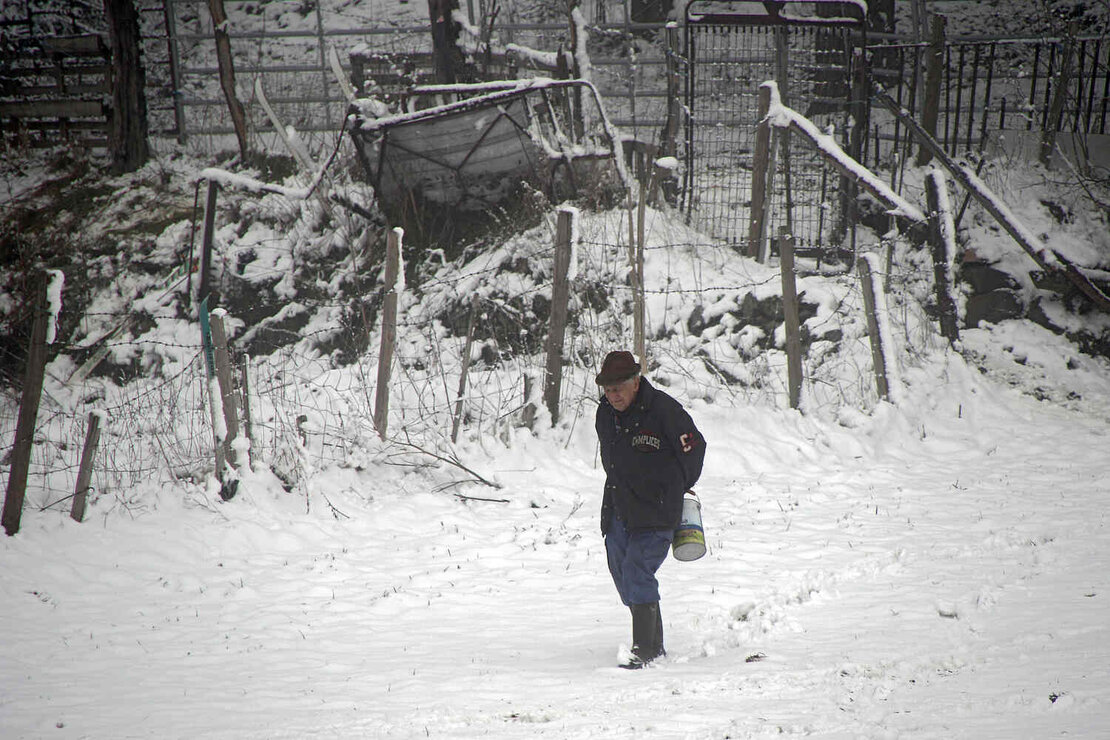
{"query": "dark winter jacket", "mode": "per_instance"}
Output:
(652, 453)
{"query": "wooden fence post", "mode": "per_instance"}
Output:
(934, 68)
(867, 272)
(1059, 97)
(792, 319)
(389, 329)
(668, 146)
(207, 239)
(761, 160)
(560, 295)
(228, 401)
(528, 413)
(474, 303)
(248, 424)
(84, 473)
(942, 238)
(219, 433)
(647, 185)
(127, 127)
(169, 16)
(28, 414)
(227, 74)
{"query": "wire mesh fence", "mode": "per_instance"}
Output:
(713, 323)
(993, 89)
(725, 64)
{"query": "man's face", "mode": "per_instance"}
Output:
(621, 394)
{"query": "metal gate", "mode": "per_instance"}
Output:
(729, 54)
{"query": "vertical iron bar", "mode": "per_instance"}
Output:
(323, 62)
(176, 83)
(971, 95)
(1033, 87)
(1105, 96)
(898, 121)
(1091, 88)
(987, 100)
(959, 101)
(691, 120)
(1079, 84)
(1049, 85)
(947, 96)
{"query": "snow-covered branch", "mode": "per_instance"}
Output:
(780, 116)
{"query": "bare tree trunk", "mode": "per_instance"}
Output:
(127, 132)
(227, 73)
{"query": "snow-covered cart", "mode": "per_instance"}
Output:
(475, 152)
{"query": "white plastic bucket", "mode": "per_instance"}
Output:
(689, 537)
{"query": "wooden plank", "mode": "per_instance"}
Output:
(84, 45)
(89, 142)
(92, 126)
(862, 177)
(53, 109)
(83, 89)
(77, 68)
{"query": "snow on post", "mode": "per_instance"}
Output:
(581, 36)
(53, 303)
(398, 286)
(943, 238)
(216, 406)
(575, 215)
(242, 182)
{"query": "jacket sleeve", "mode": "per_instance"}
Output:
(688, 443)
(602, 422)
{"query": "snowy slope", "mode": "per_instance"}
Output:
(933, 569)
(936, 569)
(939, 571)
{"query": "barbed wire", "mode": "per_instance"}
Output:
(306, 413)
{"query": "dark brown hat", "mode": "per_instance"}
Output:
(618, 366)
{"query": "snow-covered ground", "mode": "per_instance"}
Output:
(938, 570)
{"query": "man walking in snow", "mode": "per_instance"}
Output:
(652, 454)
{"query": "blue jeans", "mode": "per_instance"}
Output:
(633, 559)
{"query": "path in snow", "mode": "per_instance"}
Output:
(935, 572)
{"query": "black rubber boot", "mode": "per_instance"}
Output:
(659, 651)
(647, 635)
